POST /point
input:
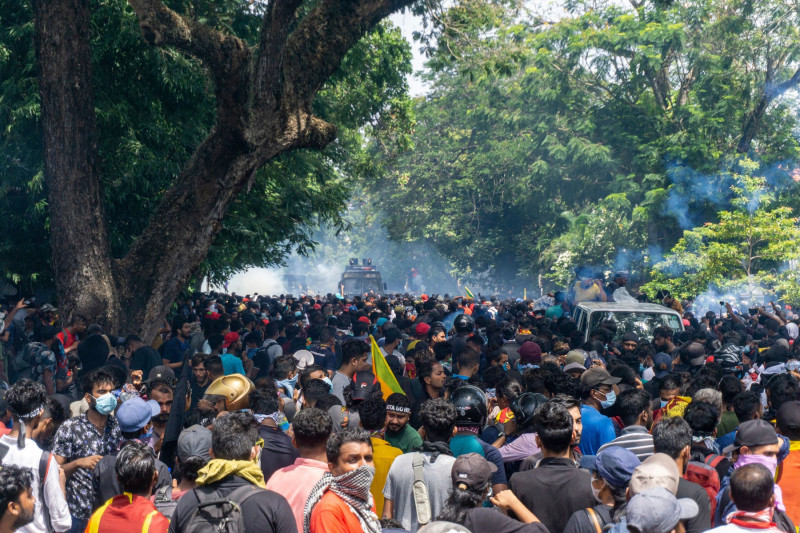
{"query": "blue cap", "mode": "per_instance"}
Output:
(135, 413)
(614, 464)
(381, 321)
(662, 364)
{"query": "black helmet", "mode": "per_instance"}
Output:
(524, 406)
(464, 323)
(470, 403)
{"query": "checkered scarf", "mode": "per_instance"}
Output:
(353, 488)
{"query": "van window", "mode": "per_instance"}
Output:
(643, 324)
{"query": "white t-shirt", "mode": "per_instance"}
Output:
(29, 457)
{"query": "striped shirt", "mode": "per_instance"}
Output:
(635, 439)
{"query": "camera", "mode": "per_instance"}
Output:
(722, 303)
(753, 311)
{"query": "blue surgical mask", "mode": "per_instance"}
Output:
(664, 403)
(147, 435)
(506, 366)
(251, 352)
(288, 385)
(105, 404)
(611, 397)
(327, 380)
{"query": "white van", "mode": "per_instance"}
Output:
(638, 318)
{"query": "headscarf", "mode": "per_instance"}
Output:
(353, 488)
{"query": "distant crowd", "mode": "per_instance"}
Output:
(273, 414)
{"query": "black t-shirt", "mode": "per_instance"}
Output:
(553, 491)
(482, 519)
(197, 391)
(105, 482)
(701, 522)
(278, 450)
(580, 522)
(145, 359)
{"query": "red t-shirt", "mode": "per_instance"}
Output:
(67, 339)
(127, 513)
(332, 515)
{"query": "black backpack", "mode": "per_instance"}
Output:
(220, 514)
(164, 502)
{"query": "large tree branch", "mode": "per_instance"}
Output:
(315, 49)
(268, 79)
(771, 92)
(226, 56)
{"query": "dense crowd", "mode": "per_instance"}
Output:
(266, 414)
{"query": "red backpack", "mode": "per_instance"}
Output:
(707, 477)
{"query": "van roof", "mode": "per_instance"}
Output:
(626, 306)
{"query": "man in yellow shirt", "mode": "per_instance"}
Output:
(372, 413)
(587, 289)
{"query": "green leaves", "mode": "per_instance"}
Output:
(154, 106)
(751, 242)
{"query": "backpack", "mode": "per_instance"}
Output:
(215, 514)
(707, 477)
(164, 502)
(713, 460)
(422, 502)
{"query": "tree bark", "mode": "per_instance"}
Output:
(81, 260)
(264, 100)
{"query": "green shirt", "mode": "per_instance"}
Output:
(464, 444)
(407, 440)
(727, 423)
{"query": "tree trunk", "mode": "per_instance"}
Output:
(81, 260)
(264, 100)
(752, 124)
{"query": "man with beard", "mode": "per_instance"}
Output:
(662, 340)
(16, 498)
(398, 433)
(161, 391)
(82, 441)
(433, 464)
(201, 379)
(630, 341)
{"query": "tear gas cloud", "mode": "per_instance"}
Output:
(321, 271)
(691, 191)
(747, 295)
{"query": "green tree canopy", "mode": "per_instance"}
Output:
(751, 246)
(539, 133)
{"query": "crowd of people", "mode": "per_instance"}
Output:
(264, 414)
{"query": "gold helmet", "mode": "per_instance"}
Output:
(235, 388)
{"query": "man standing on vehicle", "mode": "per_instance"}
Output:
(587, 289)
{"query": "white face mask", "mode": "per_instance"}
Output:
(596, 492)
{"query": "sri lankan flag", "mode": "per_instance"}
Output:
(469, 293)
(383, 373)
